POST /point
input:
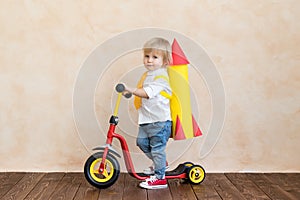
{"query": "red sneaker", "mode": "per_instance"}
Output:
(154, 183)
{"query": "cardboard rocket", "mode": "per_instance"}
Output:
(184, 124)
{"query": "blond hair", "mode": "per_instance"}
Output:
(159, 45)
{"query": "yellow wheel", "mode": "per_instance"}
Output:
(105, 179)
(107, 173)
(196, 174)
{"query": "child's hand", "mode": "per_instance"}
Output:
(128, 90)
(135, 91)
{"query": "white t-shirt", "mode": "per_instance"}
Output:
(157, 107)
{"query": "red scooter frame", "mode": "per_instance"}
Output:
(102, 168)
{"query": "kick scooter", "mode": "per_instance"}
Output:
(102, 169)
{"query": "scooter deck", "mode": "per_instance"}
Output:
(181, 168)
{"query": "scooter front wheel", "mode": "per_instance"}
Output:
(109, 175)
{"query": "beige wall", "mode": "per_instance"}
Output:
(255, 46)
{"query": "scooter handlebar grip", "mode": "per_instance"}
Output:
(128, 95)
(120, 87)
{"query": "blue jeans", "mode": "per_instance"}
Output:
(152, 140)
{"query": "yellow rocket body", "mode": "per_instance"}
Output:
(180, 101)
(184, 124)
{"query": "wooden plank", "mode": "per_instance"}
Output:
(115, 191)
(8, 180)
(216, 186)
(284, 179)
(163, 194)
(246, 187)
(132, 189)
(293, 179)
(86, 191)
(181, 190)
(67, 187)
(225, 188)
(206, 189)
(4, 177)
(45, 187)
(24, 186)
(290, 182)
(273, 190)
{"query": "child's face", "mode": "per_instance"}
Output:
(153, 60)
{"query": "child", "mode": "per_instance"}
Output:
(154, 109)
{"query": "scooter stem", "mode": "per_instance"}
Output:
(117, 104)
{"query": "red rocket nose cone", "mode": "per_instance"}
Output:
(178, 55)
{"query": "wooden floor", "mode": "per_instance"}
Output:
(216, 186)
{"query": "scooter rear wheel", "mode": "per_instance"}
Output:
(196, 174)
(110, 174)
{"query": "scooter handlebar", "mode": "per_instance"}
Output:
(120, 88)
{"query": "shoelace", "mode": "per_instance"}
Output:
(151, 179)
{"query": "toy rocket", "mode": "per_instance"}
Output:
(184, 124)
